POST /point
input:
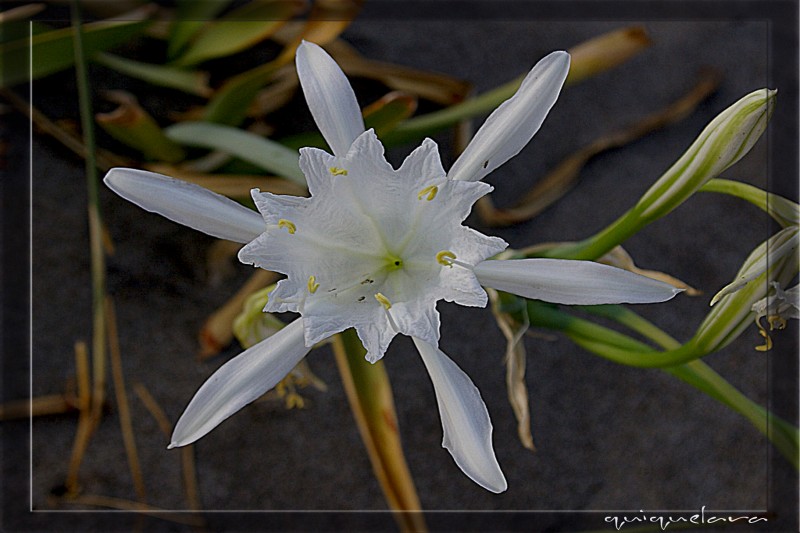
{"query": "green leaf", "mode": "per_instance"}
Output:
(784, 211)
(188, 81)
(191, 17)
(230, 103)
(385, 114)
(133, 126)
(21, 29)
(53, 51)
(370, 395)
(239, 30)
(268, 155)
(613, 345)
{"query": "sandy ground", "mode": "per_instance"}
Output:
(609, 438)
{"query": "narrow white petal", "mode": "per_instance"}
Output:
(465, 420)
(571, 282)
(330, 98)
(240, 381)
(186, 203)
(512, 125)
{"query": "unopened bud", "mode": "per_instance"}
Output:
(721, 144)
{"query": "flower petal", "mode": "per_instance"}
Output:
(240, 381)
(186, 203)
(571, 282)
(465, 420)
(330, 98)
(512, 125)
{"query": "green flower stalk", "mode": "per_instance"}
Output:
(774, 260)
(721, 144)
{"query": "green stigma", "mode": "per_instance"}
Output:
(393, 263)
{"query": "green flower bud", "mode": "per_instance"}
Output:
(721, 144)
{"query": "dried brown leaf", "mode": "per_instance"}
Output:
(620, 258)
(433, 86)
(515, 359)
(605, 52)
(128, 505)
(123, 408)
(232, 185)
(565, 175)
(217, 332)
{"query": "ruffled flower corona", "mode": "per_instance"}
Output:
(375, 249)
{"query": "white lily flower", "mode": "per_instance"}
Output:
(376, 248)
(778, 307)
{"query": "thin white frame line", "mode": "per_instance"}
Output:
(638, 512)
(277, 511)
(30, 265)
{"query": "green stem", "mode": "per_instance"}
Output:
(98, 267)
(783, 435)
(614, 345)
(601, 242)
(371, 400)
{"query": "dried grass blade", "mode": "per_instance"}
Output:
(85, 426)
(149, 510)
(105, 159)
(125, 422)
(326, 21)
(51, 404)
(565, 175)
(20, 13)
(187, 452)
(153, 408)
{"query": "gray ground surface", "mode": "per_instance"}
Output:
(608, 437)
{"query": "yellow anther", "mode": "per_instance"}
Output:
(445, 257)
(312, 284)
(336, 171)
(776, 322)
(383, 300)
(290, 227)
(430, 192)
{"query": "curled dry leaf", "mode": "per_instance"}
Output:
(515, 356)
(565, 175)
(606, 51)
(433, 86)
(619, 258)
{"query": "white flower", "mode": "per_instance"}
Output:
(778, 307)
(376, 248)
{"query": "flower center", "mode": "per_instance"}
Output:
(393, 262)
